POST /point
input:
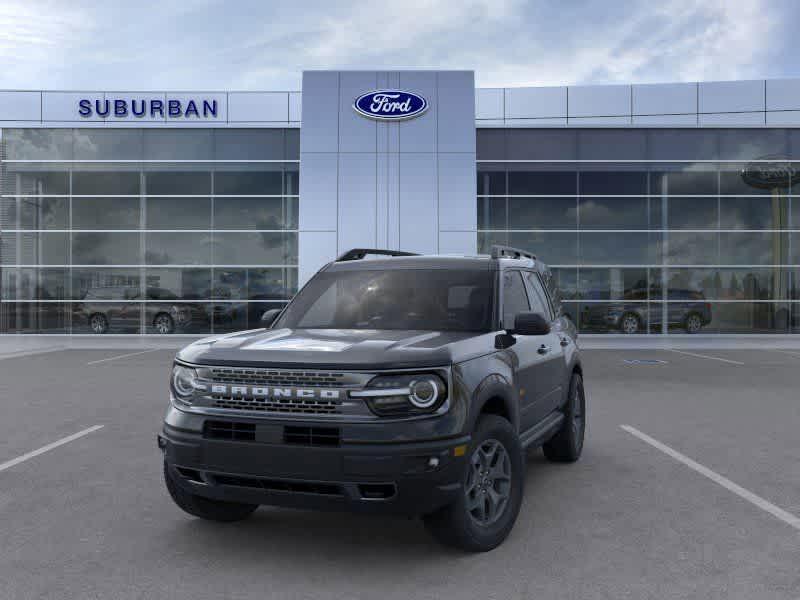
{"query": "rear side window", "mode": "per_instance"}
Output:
(539, 303)
(515, 299)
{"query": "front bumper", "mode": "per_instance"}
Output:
(412, 478)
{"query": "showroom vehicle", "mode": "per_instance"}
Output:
(101, 314)
(687, 310)
(402, 384)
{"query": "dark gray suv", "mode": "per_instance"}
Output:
(404, 384)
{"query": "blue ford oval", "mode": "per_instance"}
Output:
(390, 105)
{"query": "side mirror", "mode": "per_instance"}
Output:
(269, 316)
(530, 323)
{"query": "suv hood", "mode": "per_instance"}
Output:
(336, 348)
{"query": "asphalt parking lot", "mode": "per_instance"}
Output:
(689, 487)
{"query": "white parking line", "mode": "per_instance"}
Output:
(726, 360)
(43, 449)
(94, 362)
(795, 354)
(758, 501)
(31, 352)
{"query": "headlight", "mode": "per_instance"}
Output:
(404, 395)
(184, 383)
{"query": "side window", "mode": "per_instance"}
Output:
(515, 299)
(554, 291)
(539, 303)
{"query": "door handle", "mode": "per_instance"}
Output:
(543, 349)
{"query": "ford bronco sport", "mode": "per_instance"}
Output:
(405, 384)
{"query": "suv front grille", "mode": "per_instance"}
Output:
(278, 405)
(268, 377)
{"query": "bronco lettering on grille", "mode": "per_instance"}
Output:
(275, 392)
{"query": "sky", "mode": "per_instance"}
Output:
(206, 45)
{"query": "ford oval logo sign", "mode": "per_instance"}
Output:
(390, 105)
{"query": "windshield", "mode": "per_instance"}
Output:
(432, 299)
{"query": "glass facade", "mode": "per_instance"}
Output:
(653, 230)
(146, 230)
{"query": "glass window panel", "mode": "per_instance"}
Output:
(490, 144)
(515, 298)
(105, 213)
(176, 183)
(611, 144)
(292, 141)
(177, 284)
(236, 316)
(753, 248)
(542, 213)
(536, 295)
(684, 182)
(104, 248)
(35, 284)
(752, 144)
(491, 183)
(271, 284)
(492, 213)
(750, 317)
(178, 144)
(46, 248)
(613, 213)
(176, 317)
(98, 183)
(732, 183)
(254, 213)
(753, 284)
(540, 144)
(552, 248)
(611, 183)
(106, 284)
(229, 284)
(173, 212)
(249, 144)
(692, 248)
(693, 283)
(754, 213)
(42, 213)
(692, 213)
(794, 290)
(255, 248)
(33, 317)
(291, 180)
(619, 248)
(566, 279)
(542, 183)
(108, 144)
(38, 144)
(235, 183)
(613, 284)
(178, 248)
(36, 182)
(112, 317)
(682, 144)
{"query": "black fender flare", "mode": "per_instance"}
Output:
(494, 386)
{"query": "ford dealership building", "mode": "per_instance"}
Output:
(663, 209)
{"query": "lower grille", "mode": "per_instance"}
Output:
(311, 436)
(226, 430)
(276, 485)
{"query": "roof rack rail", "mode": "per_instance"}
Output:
(360, 253)
(509, 252)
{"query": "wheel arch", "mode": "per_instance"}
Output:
(494, 396)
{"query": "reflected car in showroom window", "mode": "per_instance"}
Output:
(102, 316)
(687, 310)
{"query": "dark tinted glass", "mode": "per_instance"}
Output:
(491, 144)
(553, 248)
(255, 248)
(612, 144)
(32, 317)
(537, 297)
(493, 213)
(753, 248)
(105, 213)
(692, 248)
(542, 183)
(108, 144)
(38, 144)
(178, 213)
(106, 283)
(105, 249)
(104, 182)
(34, 183)
(613, 284)
(254, 213)
(450, 300)
(42, 213)
(491, 182)
(750, 317)
(248, 182)
(178, 183)
(515, 298)
(178, 144)
(249, 144)
(184, 284)
(626, 248)
(542, 213)
(178, 248)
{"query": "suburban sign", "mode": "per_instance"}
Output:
(148, 107)
(779, 172)
(390, 105)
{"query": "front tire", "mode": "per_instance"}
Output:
(163, 323)
(566, 446)
(694, 323)
(493, 483)
(98, 324)
(630, 323)
(205, 508)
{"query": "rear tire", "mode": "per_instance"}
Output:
(630, 323)
(205, 508)
(693, 324)
(98, 323)
(164, 324)
(493, 483)
(566, 446)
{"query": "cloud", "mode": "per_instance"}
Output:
(212, 44)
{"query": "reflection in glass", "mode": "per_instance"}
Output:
(619, 248)
(40, 213)
(178, 213)
(32, 317)
(106, 283)
(255, 213)
(267, 248)
(103, 248)
(753, 248)
(613, 284)
(105, 213)
(178, 248)
(244, 183)
(177, 183)
(553, 248)
(184, 284)
(99, 183)
(692, 248)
